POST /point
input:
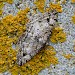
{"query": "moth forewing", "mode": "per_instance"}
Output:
(35, 37)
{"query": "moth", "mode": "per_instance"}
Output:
(36, 36)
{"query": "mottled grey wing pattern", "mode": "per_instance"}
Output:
(36, 35)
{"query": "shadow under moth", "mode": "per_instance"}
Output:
(36, 36)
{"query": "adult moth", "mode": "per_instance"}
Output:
(36, 36)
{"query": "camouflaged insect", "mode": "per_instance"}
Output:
(36, 36)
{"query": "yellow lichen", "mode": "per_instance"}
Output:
(74, 46)
(56, 7)
(47, 9)
(2, 4)
(1, 12)
(40, 5)
(58, 35)
(9, 1)
(73, 19)
(61, 1)
(68, 56)
(73, 1)
(64, 1)
(10, 30)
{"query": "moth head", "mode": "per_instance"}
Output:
(52, 17)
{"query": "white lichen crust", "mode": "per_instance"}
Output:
(36, 36)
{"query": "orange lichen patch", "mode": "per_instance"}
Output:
(73, 1)
(2, 4)
(61, 1)
(74, 46)
(10, 30)
(21, 16)
(56, 7)
(9, 1)
(47, 9)
(73, 19)
(64, 1)
(40, 4)
(1, 12)
(68, 56)
(58, 35)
